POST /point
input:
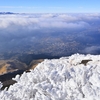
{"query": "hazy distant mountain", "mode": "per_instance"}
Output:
(7, 13)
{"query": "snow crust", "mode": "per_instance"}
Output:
(58, 79)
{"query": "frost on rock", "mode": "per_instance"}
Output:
(58, 79)
(0, 85)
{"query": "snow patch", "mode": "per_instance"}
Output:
(58, 79)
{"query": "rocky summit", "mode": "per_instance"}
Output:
(67, 78)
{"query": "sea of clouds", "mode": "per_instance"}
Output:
(16, 29)
(21, 25)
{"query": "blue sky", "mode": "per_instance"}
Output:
(50, 6)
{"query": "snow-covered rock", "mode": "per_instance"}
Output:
(0, 85)
(58, 79)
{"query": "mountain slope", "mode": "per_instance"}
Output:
(11, 65)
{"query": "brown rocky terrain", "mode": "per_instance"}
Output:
(11, 65)
(10, 68)
(34, 63)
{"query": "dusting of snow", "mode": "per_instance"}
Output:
(58, 79)
(0, 85)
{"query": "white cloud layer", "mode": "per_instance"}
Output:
(92, 49)
(47, 20)
(22, 27)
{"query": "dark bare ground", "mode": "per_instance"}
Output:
(85, 61)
